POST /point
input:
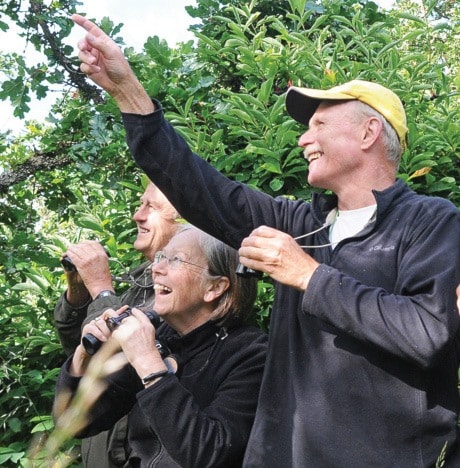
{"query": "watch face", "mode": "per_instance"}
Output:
(105, 293)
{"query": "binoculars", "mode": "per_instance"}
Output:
(68, 265)
(246, 272)
(92, 344)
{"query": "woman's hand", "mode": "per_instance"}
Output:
(136, 337)
(98, 328)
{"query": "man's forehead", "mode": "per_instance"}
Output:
(153, 194)
(330, 107)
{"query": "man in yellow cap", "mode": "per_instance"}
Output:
(363, 353)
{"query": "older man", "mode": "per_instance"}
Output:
(362, 363)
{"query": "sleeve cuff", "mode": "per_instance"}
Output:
(71, 310)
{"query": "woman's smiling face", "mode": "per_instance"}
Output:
(180, 283)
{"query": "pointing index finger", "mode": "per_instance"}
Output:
(86, 24)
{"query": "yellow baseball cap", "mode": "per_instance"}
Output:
(301, 103)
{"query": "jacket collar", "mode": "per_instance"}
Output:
(323, 204)
(199, 338)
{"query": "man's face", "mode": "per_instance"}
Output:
(332, 145)
(155, 222)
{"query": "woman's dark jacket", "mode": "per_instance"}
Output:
(200, 417)
(106, 449)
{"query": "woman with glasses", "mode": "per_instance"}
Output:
(194, 408)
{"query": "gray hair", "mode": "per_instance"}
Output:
(389, 136)
(236, 304)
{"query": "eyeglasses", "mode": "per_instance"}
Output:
(173, 262)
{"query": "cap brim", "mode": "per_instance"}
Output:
(301, 103)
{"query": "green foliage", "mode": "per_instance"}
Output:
(225, 94)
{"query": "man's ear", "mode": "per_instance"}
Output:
(372, 129)
(216, 289)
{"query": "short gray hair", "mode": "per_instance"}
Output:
(389, 135)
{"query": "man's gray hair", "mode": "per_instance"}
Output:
(390, 137)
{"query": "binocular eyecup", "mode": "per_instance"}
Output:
(67, 264)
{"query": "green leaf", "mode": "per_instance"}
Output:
(30, 287)
(266, 90)
(45, 424)
(408, 16)
(276, 184)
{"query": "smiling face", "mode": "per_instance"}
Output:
(332, 145)
(155, 222)
(184, 294)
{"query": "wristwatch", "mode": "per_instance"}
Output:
(104, 293)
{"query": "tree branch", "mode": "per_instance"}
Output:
(40, 161)
(77, 78)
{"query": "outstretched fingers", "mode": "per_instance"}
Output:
(104, 62)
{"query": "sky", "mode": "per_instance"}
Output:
(166, 19)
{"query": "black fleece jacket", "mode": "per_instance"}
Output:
(362, 367)
(199, 417)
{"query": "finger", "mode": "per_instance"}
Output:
(265, 231)
(109, 313)
(89, 69)
(254, 240)
(96, 330)
(96, 37)
(260, 235)
(249, 252)
(101, 324)
(83, 46)
(252, 256)
(122, 309)
(86, 24)
(141, 316)
(87, 55)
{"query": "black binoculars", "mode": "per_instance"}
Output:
(67, 264)
(246, 272)
(92, 344)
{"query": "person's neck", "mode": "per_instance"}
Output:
(185, 324)
(359, 194)
(355, 202)
(354, 190)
